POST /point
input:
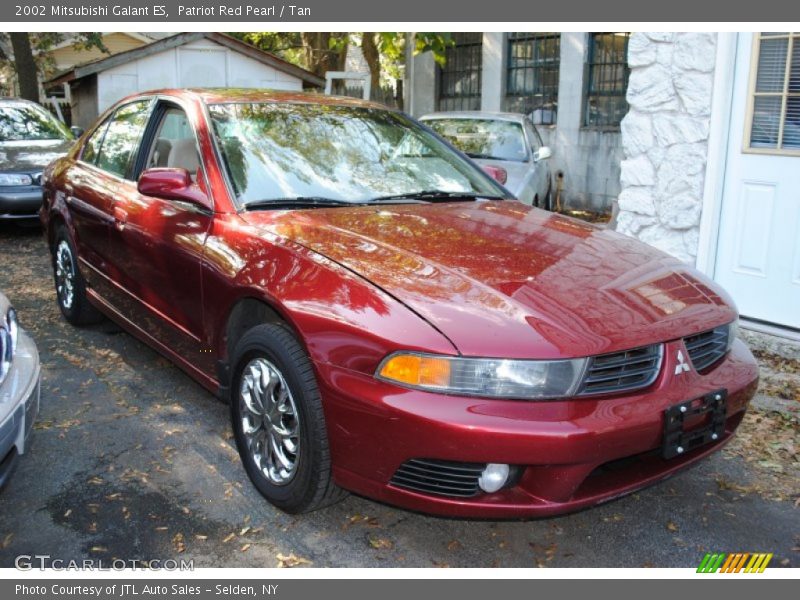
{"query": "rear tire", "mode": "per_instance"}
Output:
(548, 199)
(70, 285)
(278, 421)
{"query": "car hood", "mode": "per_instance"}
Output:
(29, 155)
(516, 171)
(504, 279)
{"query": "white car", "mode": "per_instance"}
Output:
(20, 377)
(505, 141)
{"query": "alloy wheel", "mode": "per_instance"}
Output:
(270, 421)
(65, 275)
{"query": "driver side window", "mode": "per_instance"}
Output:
(174, 144)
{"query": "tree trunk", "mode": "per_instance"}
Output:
(373, 58)
(319, 57)
(25, 66)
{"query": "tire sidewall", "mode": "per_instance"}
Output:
(300, 490)
(72, 314)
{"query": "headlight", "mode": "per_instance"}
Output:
(15, 179)
(486, 377)
(12, 326)
(9, 334)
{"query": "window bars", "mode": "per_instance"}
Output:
(532, 75)
(459, 83)
(608, 74)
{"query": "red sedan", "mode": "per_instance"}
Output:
(381, 315)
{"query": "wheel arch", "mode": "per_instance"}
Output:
(245, 313)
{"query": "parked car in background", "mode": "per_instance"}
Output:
(506, 141)
(379, 313)
(30, 138)
(19, 389)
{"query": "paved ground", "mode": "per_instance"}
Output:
(131, 459)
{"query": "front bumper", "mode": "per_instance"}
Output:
(571, 454)
(22, 202)
(19, 405)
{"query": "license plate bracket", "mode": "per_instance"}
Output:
(677, 440)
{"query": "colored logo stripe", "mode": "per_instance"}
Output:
(734, 563)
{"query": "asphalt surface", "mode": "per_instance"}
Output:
(131, 459)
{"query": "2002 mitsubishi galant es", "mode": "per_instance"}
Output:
(385, 318)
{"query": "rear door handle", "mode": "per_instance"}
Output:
(120, 217)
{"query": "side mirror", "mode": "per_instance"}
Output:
(543, 153)
(499, 174)
(76, 131)
(172, 184)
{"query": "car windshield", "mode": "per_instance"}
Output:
(352, 154)
(20, 122)
(484, 138)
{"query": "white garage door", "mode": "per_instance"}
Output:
(758, 254)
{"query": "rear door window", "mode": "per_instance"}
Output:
(92, 146)
(122, 137)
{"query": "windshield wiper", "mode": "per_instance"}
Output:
(434, 196)
(295, 202)
(483, 156)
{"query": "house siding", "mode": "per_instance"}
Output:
(68, 56)
(201, 63)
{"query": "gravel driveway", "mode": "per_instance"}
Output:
(131, 459)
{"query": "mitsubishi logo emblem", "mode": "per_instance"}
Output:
(682, 366)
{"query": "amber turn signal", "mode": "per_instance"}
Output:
(416, 370)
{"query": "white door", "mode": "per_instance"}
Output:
(758, 253)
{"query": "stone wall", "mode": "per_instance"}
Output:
(665, 139)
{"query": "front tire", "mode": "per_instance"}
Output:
(70, 285)
(278, 421)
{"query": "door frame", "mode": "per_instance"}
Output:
(717, 158)
(720, 125)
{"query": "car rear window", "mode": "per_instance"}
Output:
(484, 138)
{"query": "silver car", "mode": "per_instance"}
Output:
(505, 141)
(20, 377)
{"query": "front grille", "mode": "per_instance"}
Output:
(706, 348)
(622, 371)
(440, 477)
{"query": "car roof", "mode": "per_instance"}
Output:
(475, 114)
(245, 95)
(14, 100)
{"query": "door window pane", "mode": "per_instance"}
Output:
(122, 138)
(775, 120)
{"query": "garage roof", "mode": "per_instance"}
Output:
(180, 39)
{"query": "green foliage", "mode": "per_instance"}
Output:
(285, 44)
(391, 45)
(40, 45)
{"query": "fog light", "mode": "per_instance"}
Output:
(494, 477)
